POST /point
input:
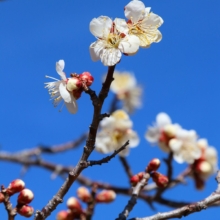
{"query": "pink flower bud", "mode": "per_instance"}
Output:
(153, 165)
(87, 78)
(74, 205)
(2, 197)
(134, 180)
(25, 210)
(83, 194)
(15, 186)
(106, 196)
(140, 175)
(73, 83)
(25, 196)
(77, 93)
(160, 179)
(65, 215)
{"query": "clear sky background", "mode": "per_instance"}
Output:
(180, 76)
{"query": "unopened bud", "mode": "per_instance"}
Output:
(160, 179)
(134, 180)
(153, 165)
(140, 175)
(15, 186)
(77, 93)
(106, 196)
(73, 83)
(25, 210)
(83, 194)
(2, 197)
(204, 167)
(25, 196)
(87, 78)
(64, 215)
(74, 205)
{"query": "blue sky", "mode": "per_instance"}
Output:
(180, 76)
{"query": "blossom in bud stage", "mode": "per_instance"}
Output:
(159, 179)
(153, 165)
(2, 197)
(106, 196)
(83, 194)
(86, 78)
(15, 186)
(113, 40)
(136, 178)
(206, 165)
(162, 131)
(25, 196)
(143, 23)
(74, 205)
(115, 131)
(25, 210)
(58, 89)
(65, 215)
(126, 88)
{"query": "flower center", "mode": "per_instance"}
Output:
(113, 40)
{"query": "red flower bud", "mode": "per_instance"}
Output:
(134, 180)
(15, 186)
(74, 205)
(153, 165)
(25, 210)
(77, 93)
(87, 78)
(65, 215)
(2, 197)
(140, 175)
(160, 179)
(25, 196)
(106, 196)
(83, 194)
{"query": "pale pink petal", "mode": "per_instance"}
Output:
(133, 139)
(64, 93)
(135, 11)
(95, 50)
(121, 25)
(152, 135)
(110, 57)
(100, 27)
(59, 68)
(175, 145)
(129, 45)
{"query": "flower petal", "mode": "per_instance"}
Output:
(163, 119)
(133, 138)
(175, 145)
(152, 134)
(95, 49)
(72, 106)
(101, 26)
(59, 68)
(129, 45)
(64, 93)
(121, 25)
(135, 11)
(110, 57)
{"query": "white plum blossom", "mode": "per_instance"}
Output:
(143, 23)
(162, 131)
(126, 89)
(115, 131)
(184, 146)
(58, 89)
(112, 40)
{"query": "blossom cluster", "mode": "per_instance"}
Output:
(24, 198)
(115, 131)
(68, 89)
(185, 146)
(75, 209)
(118, 37)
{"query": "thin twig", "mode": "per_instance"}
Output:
(126, 167)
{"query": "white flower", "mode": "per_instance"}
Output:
(184, 146)
(127, 90)
(143, 23)
(112, 40)
(162, 131)
(115, 131)
(58, 89)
